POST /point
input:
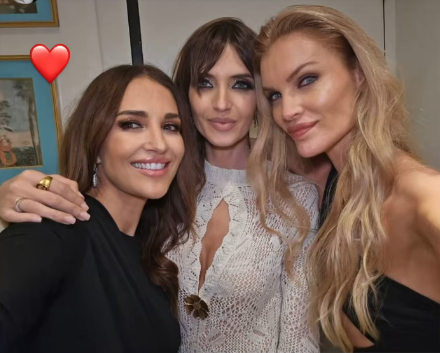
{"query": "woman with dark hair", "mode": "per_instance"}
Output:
(237, 284)
(240, 290)
(105, 285)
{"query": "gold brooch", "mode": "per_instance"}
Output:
(196, 306)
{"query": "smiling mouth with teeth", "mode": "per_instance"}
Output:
(150, 166)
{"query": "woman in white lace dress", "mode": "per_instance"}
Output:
(238, 290)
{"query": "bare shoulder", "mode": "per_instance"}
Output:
(420, 185)
(420, 188)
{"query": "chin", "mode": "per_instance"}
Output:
(155, 195)
(223, 142)
(308, 151)
(151, 192)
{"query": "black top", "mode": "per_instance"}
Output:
(406, 320)
(329, 193)
(80, 288)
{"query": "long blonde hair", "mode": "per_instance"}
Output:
(347, 257)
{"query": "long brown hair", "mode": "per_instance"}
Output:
(348, 256)
(165, 222)
(199, 54)
(203, 49)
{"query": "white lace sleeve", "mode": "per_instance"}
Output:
(296, 334)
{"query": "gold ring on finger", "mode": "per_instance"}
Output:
(44, 183)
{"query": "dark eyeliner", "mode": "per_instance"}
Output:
(305, 77)
(177, 127)
(203, 82)
(249, 85)
(125, 124)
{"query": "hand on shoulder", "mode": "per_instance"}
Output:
(62, 202)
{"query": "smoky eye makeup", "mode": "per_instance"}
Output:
(174, 127)
(205, 83)
(129, 124)
(243, 84)
(307, 79)
(272, 96)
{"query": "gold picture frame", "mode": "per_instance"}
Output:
(47, 18)
(42, 150)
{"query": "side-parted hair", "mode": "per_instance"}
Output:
(347, 258)
(204, 48)
(165, 222)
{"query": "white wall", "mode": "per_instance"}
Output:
(418, 65)
(166, 24)
(96, 32)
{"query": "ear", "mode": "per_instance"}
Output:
(358, 75)
(98, 160)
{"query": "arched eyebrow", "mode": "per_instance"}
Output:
(144, 114)
(292, 75)
(236, 76)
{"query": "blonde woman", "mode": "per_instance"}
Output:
(375, 265)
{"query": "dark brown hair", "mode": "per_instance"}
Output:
(203, 49)
(165, 222)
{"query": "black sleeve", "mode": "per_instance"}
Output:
(34, 260)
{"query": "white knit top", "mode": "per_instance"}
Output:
(253, 305)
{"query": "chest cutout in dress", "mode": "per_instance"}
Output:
(216, 230)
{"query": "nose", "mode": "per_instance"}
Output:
(221, 99)
(292, 107)
(155, 140)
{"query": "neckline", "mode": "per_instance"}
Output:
(93, 200)
(412, 292)
(221, 176)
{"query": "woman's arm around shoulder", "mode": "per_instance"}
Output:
(62, 203)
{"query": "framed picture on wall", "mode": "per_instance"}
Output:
(30, 125)
(28, 13)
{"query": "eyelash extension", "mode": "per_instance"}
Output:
(125, 124)
(269, 97)
(249, 85)
(307, 76)
(300, 85)
(202, 81)
(178, 127)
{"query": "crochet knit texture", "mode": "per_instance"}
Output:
(253, 305)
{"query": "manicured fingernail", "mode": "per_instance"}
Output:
(84, 205)
(69, 220)
(84, 216)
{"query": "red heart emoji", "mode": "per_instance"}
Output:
(50, 63)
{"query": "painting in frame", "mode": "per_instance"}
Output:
(30, 125)
(41, 13)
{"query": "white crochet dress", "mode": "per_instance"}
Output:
(253, 305)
